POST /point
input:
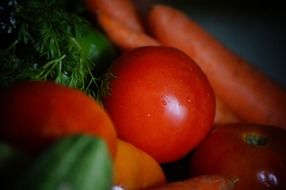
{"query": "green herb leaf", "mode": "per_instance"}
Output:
(49, 47)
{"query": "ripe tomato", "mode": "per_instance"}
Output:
(253, 155)
(35, 114)
(160, 101)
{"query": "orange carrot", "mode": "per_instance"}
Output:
(207, 182)
(123, 11)
(248, 92)
(223, 115)
(122, 35)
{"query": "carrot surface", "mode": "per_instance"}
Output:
(223, 115)
(123, 36)
(208, 182)
(123, 11)
(248, 92)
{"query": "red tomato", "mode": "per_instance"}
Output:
(253, 155)
(160, 101)
(35, 114)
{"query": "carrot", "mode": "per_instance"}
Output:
(123, 36)
(245, 90)
(123, 10)
(207, 182)
(223, 115)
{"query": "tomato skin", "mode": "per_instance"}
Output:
(255, 167)
(160, 101)
(34, 114)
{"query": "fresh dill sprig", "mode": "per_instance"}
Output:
(47, 47)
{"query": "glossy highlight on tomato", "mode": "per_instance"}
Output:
(160, 101)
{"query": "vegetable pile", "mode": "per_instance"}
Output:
(96, 94)
(48, 42)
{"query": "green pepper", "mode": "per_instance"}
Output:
(96, 47)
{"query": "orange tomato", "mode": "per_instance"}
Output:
(35, 114)
(135, 169)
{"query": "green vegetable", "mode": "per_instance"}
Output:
(54, 44)
(76, 162)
